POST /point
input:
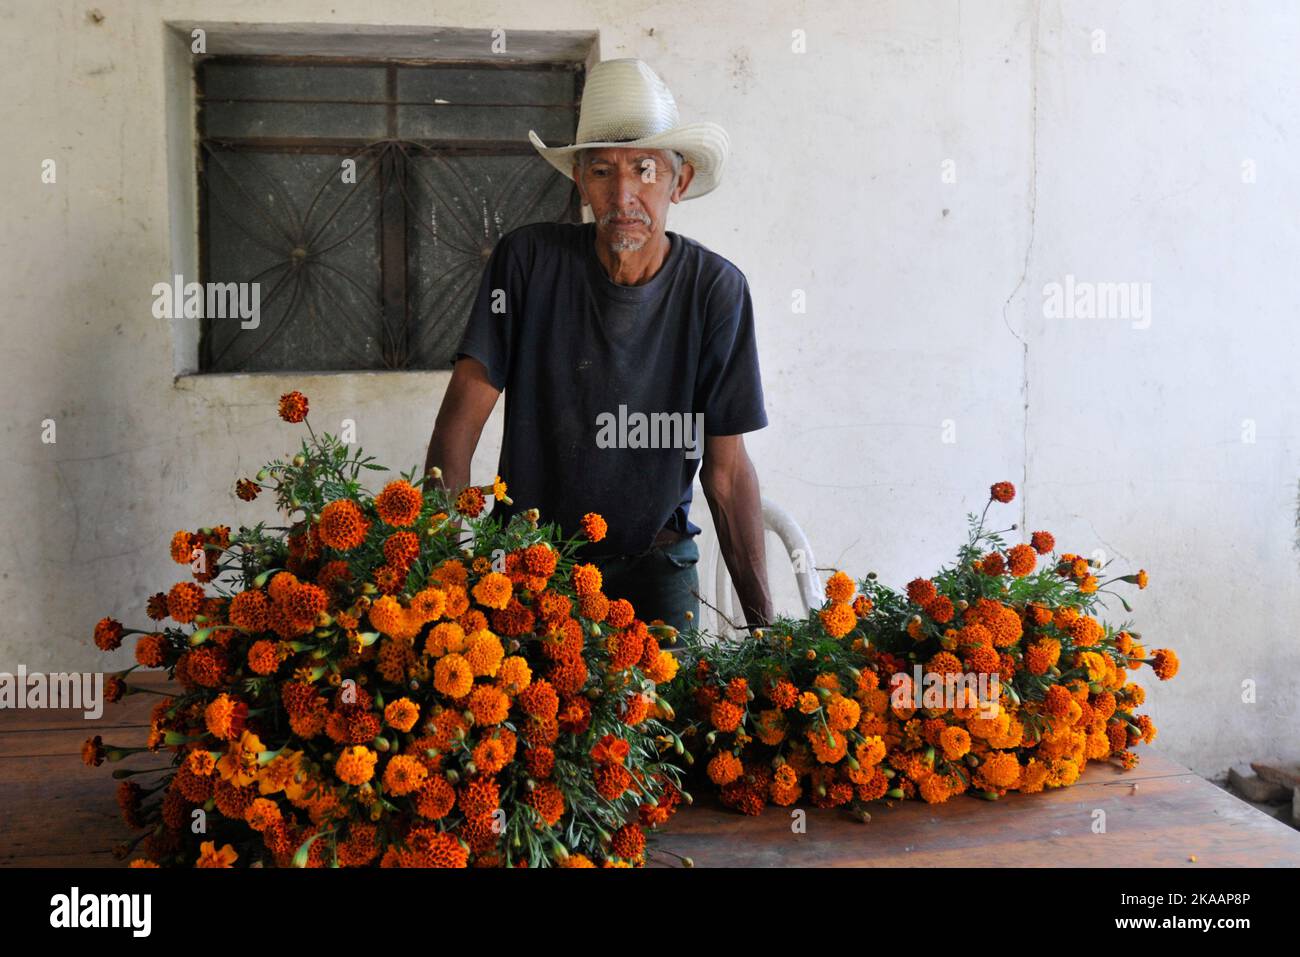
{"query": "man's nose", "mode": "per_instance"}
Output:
(629, 186)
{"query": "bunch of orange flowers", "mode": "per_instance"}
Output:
(359, 688)
(995, 675)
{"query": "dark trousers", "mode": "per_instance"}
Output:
(660, 583)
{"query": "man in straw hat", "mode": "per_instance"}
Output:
(627, 354)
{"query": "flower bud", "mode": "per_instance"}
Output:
(299, 459)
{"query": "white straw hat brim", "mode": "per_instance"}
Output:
(704, 145)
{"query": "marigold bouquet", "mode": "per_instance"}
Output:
(359, 688)
(993, 675)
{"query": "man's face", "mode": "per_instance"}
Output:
(629, 190)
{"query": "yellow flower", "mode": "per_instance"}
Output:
(209, 856)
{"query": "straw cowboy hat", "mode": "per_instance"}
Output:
(626, 104)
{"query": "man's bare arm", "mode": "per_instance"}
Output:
(731, 488)
(465, 408)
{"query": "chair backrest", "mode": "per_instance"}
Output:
(778, 520)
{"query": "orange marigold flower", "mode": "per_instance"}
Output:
(548, 801)
(445, 637)
(293, 406)
(264, 657)
(493, 753)
(1040, 614)
(183, 601)
(992, 564)
(1000, 770)
(920, 591)
(594, 527)
(726, 715)
(470, 501)
(842, 713)
(1142, 578)
(388, 616)
(436, 798)
(514, 675)
(955, 742)
(838, 619)
(402, 714)
(737, 691)
(862, 606)
(620, 613)
(429, 604)
(724, 768)
(399, 503)
(1042, 542)
(1002, 491)
(401, 549)
(593, 606)
(1086, 631)
(404, 774)
(484, 653)
(306, 601)
(587, 579)
(1056, 701)
(1164, 663)
(489, 705)
(635, 709)
(783, 694)
(263, 813)
(1042, 655)
(109, 631)
(246, 490)
(540, 559)
(840, 587)
(539, 700)
(940, 608)
(453, 676)
(342, 526)
(828, 745)
(1021, 560)
(356, 765)
(282, 583)
(182, 547)
(628, 842)
(250, 610)
(493, 590)
(156, 607)
(610, 750)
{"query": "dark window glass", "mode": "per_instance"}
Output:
(376, 269)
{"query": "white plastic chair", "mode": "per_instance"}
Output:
(776, 519)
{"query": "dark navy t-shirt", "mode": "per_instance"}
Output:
(609, 387)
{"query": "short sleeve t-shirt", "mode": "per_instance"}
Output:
(610, 389)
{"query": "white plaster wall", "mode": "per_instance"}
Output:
(924, 306)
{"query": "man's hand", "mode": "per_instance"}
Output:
(731, 488)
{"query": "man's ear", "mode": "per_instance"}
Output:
(577, 181)
(683, 182)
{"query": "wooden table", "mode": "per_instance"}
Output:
(55, 811)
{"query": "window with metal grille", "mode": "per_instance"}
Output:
(364, 196)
